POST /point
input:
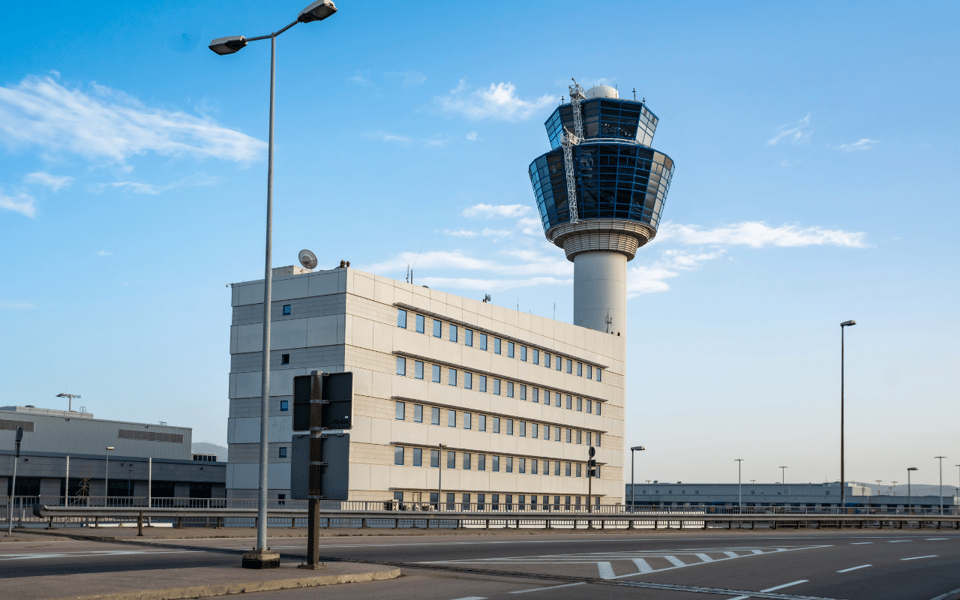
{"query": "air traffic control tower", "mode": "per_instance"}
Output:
(600, 192)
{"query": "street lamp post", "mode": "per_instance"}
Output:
(843, 488)
(783, 474)
(940, 458)
(633, 491)
(317, 11)
(69, 398)
(910, 491)
(106, 477)
(439, 475)
(13, 484)
(739, 483)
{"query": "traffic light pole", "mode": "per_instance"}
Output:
(316, 470)
(13, 486)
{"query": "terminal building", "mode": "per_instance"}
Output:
(64, 454)
(761, 496)
(500, 405)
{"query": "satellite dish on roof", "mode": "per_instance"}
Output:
(307, 259)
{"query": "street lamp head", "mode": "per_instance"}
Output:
(637, 449)
(848, 323)
(912, 469)
(317, 11)
(109, 447)
(228, 45)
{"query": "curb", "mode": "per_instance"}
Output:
(207, 591)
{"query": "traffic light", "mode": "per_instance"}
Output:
(592, 463)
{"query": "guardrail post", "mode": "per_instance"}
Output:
(655, 525)
(96, 521)
(293, 522)
(140, 524)
(630, 526)
(363, 523)
(729, 524)
(50, 526)
(219, 522)
(396, 523)
(487, 526)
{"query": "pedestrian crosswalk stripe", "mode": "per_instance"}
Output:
(643, 565)
(606, 570)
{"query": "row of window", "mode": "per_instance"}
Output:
(469, 461)
(480, 340)
(499, 425)
(481, 501)
(457, 378)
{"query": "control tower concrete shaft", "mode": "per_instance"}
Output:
(621, 184)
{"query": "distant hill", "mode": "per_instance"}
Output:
(208, 448)
(918, 489)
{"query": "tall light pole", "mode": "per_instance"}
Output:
(843, 487)
(317, 11)
(633, 491)
(106, 477)
(910, 491)
(13, 484)
(739, 483)
(69, 398)
(940, 458)
(439, 475)
(783, 474)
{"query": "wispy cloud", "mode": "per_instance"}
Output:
(54, 182)
(648, 279)
(794, 132)
(17, 305)
(22, 203)
(136, 187)
(498, 101)
(472, 136)
(758, 235)
(100, 123)
(394, 138)
(360, 78)
(859, 146)
(104, 253)
(409, 78)
(465, 233)
(487, 211)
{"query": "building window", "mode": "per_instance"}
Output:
(509, 389)
(556, 468)
(401, 409)
(523, 392)
(483, 383)
(496, 425)
(467, 459)
(402, 319)
(467, 420)
(523, 353)
(556, 398)
(589, 407)
(569, 402)
(567, 470)
(437, 328)
(287, 309)
(579, 474)
(481, 499)
(579, 404)
(418, 369)
(453, 333)
(556, 433)
(496, 345)
(536, 356)
(417, 413)
(598, 373)
(434, 416)
(468, 337)
(523, 429)
(284, 405)
(598, 439)
(546, 359)
(398, 496)
(559, 363)
(589, 372)
(598, 408)
(451, 460)
(533, 430)
(533, 471)
(451, 418)
(283, 452)
(546, 432)
(536, 394)
(569, 366)
(579, 437)
(398, 455)
(435, 459)
(509, 462)
(579, 369)
(509, 426)
(421, 323)
(418, 457)
(482, 341)
(496, 387)
(481, 466)
(468, 381)
(589, 438)
(481, 422)
(495, 466)
(521, 467)
(569, 435)
(284, 359)
(401, 366)
(510, 348)
(452, 377)
(436, 373)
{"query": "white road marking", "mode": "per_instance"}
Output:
(773, 589)
(899, 541)
(947, 595)
(853, 568)
(860, 543)
(643, 565)
(704, 557)
(732, 554)
(606, 570)
(936, 539)
(92, 553)
(919, 557)
(757, 551)
(472, 598)
(675, 561)
(550, 587)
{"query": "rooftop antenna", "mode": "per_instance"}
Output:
(554, 311)
(634, 94)
(69, 398)
(486, 298)
(569, 141)
(410, 268)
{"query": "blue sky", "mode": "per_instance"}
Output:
(817, 177)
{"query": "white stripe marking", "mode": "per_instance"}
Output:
(919, 557)
(899, 541)
(936, 539)
(472, 598)
(860, 543)
(704, 557)
(643, 565)
(551, 587)
(853, 568)
(773, 589)
(947, 595)
(757, 551)
(675, 561)
(732, 554)
(606, 570)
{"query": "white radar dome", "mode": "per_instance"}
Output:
(602, 91)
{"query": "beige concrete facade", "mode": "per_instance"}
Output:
(348, 320)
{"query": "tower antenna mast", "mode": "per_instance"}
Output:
(569, 141)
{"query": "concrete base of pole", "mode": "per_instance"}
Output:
(309, 567)
(261, 559)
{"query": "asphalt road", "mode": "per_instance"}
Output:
(853, 565)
